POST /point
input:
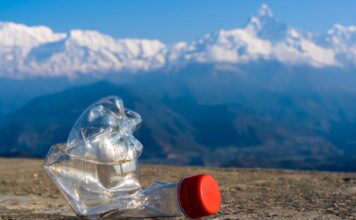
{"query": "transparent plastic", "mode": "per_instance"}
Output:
(97, 170)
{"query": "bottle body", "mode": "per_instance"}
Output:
(95, 190)
(97, 171)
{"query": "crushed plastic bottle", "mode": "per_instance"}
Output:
(97, 171)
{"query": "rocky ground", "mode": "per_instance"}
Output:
(27, 193)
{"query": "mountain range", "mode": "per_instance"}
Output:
(265, 95)
(38, 51)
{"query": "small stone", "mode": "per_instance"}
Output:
(346, 179)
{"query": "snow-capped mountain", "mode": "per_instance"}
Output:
(342, 40)
(263, 37)
(38, 51)
(28, 51)
(90, 52)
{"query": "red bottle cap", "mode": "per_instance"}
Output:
(199, 196)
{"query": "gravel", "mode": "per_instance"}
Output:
(27, 193)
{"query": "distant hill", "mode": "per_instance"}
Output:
(47, 120)
(224, 121)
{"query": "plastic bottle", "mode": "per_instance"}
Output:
(97, 171)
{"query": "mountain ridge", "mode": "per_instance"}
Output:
(262, 128)
(38, 51)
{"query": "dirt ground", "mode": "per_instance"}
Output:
(27, 193)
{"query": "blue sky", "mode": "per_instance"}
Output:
(171, 20)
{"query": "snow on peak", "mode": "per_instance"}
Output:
(97, 41)
(232, 46)
(342, 40)
(263, 38)
(13, 34)
(266, 26)
(342, 33)
(264, 11)
(37, 50)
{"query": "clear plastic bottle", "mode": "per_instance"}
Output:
(97, 171)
